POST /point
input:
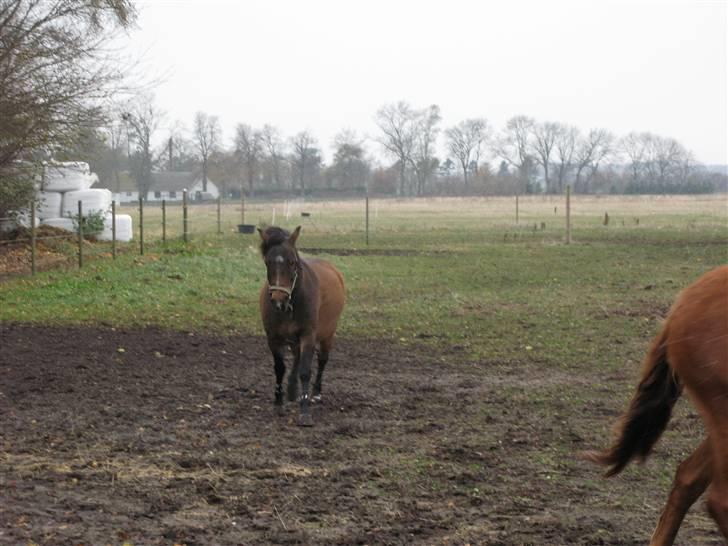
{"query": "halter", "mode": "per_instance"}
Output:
(286, 290)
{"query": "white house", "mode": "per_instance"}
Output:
(166, 185)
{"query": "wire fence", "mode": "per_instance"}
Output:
(179, 222)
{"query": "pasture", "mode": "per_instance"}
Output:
(474, 359)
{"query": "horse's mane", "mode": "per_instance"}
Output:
(273, 236)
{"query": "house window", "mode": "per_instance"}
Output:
(157, 194)
(173, 195)
(128, 194)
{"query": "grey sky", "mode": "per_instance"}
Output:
(325, 65)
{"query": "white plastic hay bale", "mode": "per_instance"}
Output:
(68, 176)
(124, 229)
(93, 200)
(61, 223)
(23, 218)
(49, 204)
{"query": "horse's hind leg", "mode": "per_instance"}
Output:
(323, 358)
(692, 477)
(718, 491)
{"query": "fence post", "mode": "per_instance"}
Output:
(113, 229)
(164, 221)
(32, 237)
(568, 214)
(219, 201)
(80, 234)
(184, 215)
(242, 205)
(367, 218)
(516, 208)
(141, 225)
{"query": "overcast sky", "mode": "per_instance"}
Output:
(326, 65)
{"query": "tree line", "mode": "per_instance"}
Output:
(59, 99)
(411, 154)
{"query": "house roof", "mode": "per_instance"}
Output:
(161, 181)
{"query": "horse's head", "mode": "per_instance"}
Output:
(282, 262)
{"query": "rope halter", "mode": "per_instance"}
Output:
(288, 291)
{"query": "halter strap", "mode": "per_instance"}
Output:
(289, 291)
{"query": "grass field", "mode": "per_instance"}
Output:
(555, 330)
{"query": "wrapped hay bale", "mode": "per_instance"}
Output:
(60, 223)
(49, 204)
(23, 219)
(93, 201)
(68, 176)
(124, 230)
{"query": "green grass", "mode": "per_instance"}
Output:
(469, 281)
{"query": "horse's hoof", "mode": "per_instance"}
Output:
(316, 398)
(280, 410)
(305, 420)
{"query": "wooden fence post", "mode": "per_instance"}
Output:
(516, 209)
(80, 234)
(367, 218)
(113, 229)
(568, 214)
(242, 205)
(184, 215)
(164, 221)
(32, 237)
(219, 228)
(141, 226)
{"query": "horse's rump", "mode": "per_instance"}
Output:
(332, 296)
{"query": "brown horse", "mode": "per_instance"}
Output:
(300, 304)
(690, 352)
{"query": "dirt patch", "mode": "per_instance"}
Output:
(158, 437)
(15, 250)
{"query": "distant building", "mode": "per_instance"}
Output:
(167, 185)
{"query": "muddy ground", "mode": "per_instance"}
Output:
(158, 437)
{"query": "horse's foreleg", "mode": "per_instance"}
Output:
(293, 376)
(304, 373)
(279, 365)
(692, 477)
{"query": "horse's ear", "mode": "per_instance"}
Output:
(262, 234)
(294, 236)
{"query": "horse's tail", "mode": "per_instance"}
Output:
(648, 413)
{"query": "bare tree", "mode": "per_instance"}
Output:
(545, 135)
(465, 140)
(274, 149)
(207, 140)
(398, 123)
(304, 157)
(249, 149)
(55, 72)
(635, 146)
(422, 158)
(514, 146)
(142, 121)
(565, 144)
(590, 152)
(350, 167)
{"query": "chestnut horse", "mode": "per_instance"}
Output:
(300, 304)
(690, 352)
